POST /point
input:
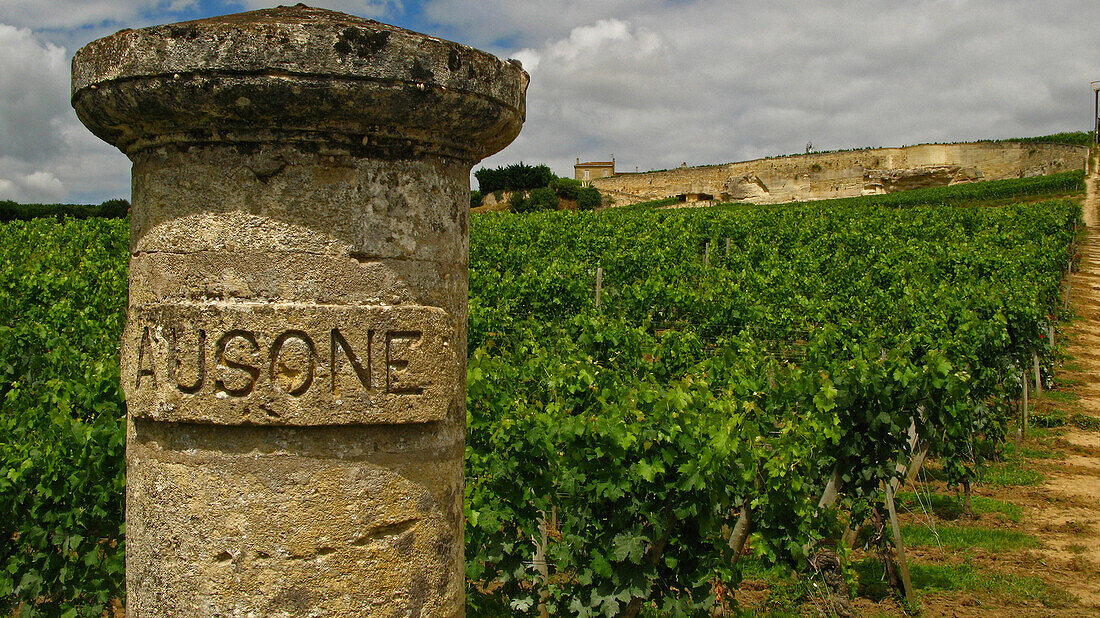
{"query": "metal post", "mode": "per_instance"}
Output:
(1095, 111)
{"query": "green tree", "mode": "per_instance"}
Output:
(515, 177)
(543, 199)
(566, 188)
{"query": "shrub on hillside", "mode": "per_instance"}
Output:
(518, 202)
(476, 199)
(588, 198)
(543, 199)
(1076, 138)
(566, 188)
(538, 200)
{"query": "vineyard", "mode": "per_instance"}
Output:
(747, 383)
(740, 359)
(62, 307)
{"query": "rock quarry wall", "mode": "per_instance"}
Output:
(847, 174)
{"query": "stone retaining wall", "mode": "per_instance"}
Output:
(849, 174)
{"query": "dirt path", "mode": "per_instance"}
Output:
(1068, 521)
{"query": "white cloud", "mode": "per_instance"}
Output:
(45, 153)
(487, 22)
(594, 90)
(710, 81)
(34, 80)
(38, 187)
(81, 13)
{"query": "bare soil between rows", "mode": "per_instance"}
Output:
(1064, 511)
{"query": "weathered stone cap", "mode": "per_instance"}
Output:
(297, 74)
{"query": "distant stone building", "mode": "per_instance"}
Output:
(587, 172)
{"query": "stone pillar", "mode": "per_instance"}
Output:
(294, 358)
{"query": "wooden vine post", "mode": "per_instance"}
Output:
(1038, 376)
(902, 562)
(1023, 406)
(599, 285)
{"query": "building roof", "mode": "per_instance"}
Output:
(595, 164)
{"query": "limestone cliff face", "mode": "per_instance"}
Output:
(848, 174)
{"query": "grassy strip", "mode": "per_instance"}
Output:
(1012, 451)
(965, 537)
(962, 578)
(1010, 473)
(1049, 419)
(1083, 421)
(973, 579)
(1060, 396)
(949, 507)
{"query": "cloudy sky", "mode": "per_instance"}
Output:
(654, 82)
